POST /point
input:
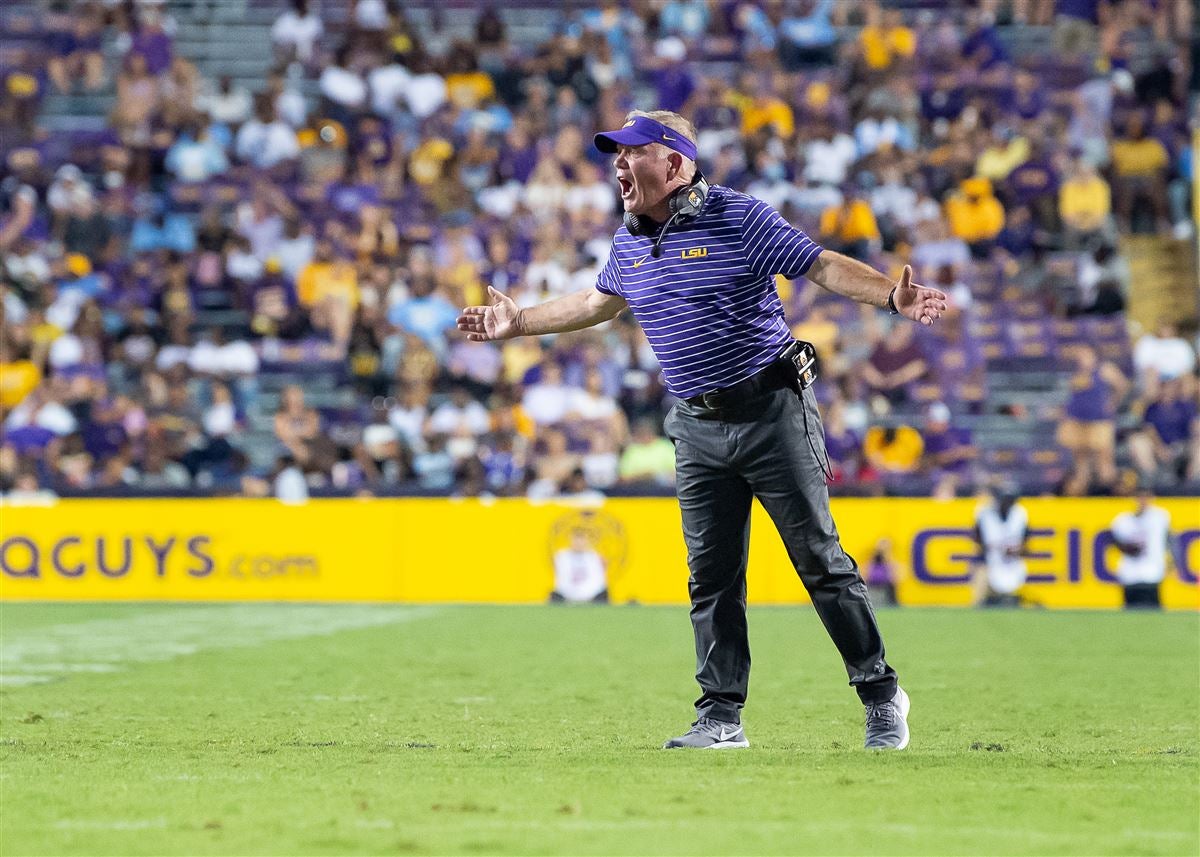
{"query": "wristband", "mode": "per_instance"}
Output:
(891, 302)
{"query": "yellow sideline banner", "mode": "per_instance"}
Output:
(503, 552)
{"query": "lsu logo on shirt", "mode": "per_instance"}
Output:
(693, 253)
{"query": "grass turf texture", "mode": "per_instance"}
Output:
(155, 729)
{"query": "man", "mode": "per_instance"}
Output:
(1143, 538)
(702, 287)
(1002, 529)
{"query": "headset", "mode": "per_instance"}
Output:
(684, 203)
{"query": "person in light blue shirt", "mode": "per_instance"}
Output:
(687, 20)
(808, 38)
(195, 157)
(425, 314)
(162, 232)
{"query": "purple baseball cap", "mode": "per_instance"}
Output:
(641, 130)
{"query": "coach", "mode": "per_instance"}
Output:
(696, 265)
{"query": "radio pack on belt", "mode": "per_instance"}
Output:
(804, 358)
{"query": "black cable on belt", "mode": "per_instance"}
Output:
(826, 467)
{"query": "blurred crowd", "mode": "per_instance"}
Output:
(253, 289)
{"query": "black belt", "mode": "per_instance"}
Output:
(776, 375)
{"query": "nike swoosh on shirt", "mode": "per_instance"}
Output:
(641, 261)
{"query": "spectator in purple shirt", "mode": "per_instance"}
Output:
(78, 52)
(948, 451)
(895, 364)
(673, 83)
(152, 43)
(1035, 184)
(103, 434)
(29, 440)
(983, 48)
(1170, 430)
(1019, 236)
(843, 444)
(1028, 98)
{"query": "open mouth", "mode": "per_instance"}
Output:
(626, 187)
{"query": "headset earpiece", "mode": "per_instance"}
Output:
(687, 201)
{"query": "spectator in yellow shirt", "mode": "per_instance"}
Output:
(893, 449)
(466, 86)
(1002, 157)
(850, 227)
(885, 40)
(329, 287)
(760, 108)
(18, 377)
(975, 215)
(1084, 202)
(1139, 173)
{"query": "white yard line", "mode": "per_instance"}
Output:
(44, 654)
(808, 827)
(111, 824)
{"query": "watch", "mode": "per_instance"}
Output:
(891, 302)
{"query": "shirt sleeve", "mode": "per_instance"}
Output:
(774, 246)
(608, 280)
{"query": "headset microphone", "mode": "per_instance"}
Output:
(656, 250)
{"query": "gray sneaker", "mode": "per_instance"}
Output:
(708, 734)
(887, 726)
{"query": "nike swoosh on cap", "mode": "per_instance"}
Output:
(668, 137)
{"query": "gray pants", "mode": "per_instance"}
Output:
(723, 459)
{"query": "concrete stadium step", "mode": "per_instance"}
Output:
(79, 104)
(274, 382)
(342, 399)
(66, 124)
(1027, 40)
(1164, 275)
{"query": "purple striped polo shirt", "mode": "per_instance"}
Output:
(708, 305)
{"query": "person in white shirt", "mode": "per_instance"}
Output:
(579, 572)
(265, 141)
(894, 200)
(289, 485)
(461, 412)
(342, 86)
(828, 156)
(371, 14)
(1001, 529)
(228, 104)
(220, 419)
(408, 416)
(388, 84)
(547, 402)
(426, 91)
(1164, 353)
(1143, 537)
(297, 31)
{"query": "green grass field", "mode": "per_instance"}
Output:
(292, 729)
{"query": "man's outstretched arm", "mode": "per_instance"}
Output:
(502, 319)
(851, 278)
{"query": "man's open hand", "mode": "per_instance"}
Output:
(485, 323)
(917, 302)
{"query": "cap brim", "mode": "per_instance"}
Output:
(609, 140)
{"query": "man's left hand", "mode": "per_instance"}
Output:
(917, 302)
